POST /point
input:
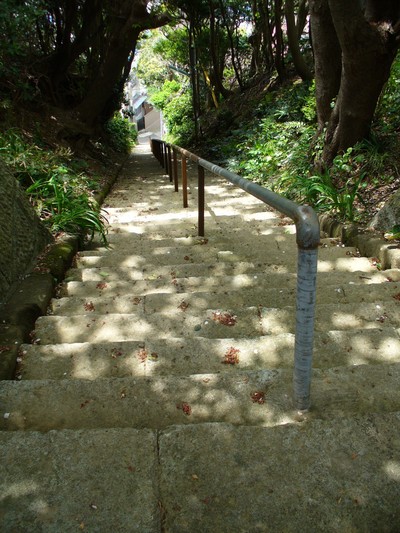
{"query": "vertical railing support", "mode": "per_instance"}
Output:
(169, 159)
(175, 167)
(184, 182)
(201, 201)
(307, 237)
(304, 339)
(165, 158)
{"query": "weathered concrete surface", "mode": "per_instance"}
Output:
(325, 476)
(159, 401)
(185, 356)
(334, 468)
(68, 481)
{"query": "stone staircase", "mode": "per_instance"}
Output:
(156, 395)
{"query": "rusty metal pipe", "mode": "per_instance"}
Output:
(184, 181)
(175, 167)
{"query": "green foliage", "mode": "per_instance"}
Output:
(179, 119)
(387, 118)
(168, 92)
(279, 152)
(121, 133)
(152, 69)
(323, 194)
(17, 46)
(62, 197)
(281, 142)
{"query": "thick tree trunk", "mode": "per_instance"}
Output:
(327, 59)
(214, 53)
(129, 19)
(108, 78)
(367, 52)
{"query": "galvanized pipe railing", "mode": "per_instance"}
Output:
(307, 238)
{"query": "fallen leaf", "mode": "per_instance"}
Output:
(185, 408)
(101, 285)
(142, 355)
(227, 319)
(231, 356)
(89, 306)
(183, 305)
(115, 353)
(258, 397)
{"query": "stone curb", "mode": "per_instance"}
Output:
(32, 295)
(370, 243)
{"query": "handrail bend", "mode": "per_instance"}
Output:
(307, 238)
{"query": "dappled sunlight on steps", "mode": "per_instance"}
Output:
(163, 374)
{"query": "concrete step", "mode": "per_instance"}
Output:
(151, 272)
(326, 476)
(65, 481)
(210, 323)
(185, 356)
(132, 299)
(330, 259)
(214, 275)
(255, 398)
(187, 478)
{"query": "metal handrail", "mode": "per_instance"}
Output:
(307, 238)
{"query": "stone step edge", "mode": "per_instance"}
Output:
(180, 356)
(261, 398)
(182, 299)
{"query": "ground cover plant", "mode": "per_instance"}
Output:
(277, 146)
(58, 184)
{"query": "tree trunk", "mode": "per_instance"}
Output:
(129, 19)
(327, 59)
(293, 36)
(214, 53)
(279, 47)
(367, 52)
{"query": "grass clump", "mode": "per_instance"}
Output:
(62, 197)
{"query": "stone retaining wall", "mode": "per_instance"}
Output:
(22, 235)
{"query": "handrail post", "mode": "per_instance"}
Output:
(175, 154)
(201, 202)
(169, 159)
(307, 236)
(165, 157)
(184, 181)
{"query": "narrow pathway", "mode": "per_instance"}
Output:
(156, 396)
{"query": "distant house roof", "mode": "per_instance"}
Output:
(139, 101)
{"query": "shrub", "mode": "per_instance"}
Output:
(121, 134)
